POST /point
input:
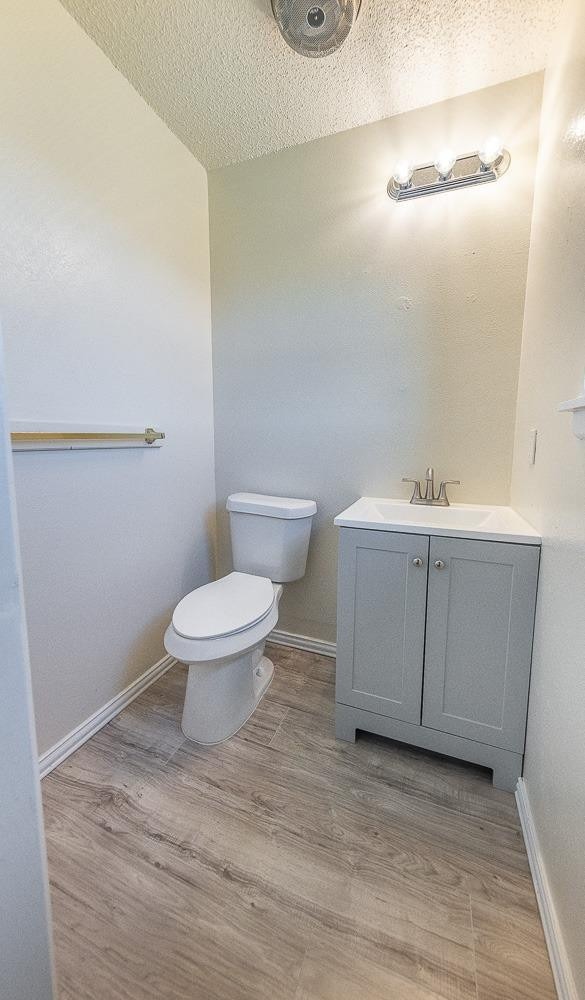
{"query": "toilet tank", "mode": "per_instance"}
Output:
(270, 535)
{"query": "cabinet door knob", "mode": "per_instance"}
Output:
(439, 564)
(417, 562)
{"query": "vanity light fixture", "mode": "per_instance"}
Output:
(449, 171)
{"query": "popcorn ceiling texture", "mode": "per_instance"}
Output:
(221, 76)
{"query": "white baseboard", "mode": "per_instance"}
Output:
(69, 744)
(559, 959)
(303, 642)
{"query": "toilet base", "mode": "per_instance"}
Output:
(222, 696)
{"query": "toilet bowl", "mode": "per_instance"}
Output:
(220, 629)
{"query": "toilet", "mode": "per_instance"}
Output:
(220, 629)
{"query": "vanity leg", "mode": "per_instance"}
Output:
(344, 726)
(507, 771)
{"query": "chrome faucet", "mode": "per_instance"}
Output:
(430, 498)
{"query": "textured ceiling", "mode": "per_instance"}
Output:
(221, 76)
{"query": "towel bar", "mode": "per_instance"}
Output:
(67, 439)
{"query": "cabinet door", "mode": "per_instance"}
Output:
(480, 620)
(381, 621)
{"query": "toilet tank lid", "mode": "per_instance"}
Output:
(258, 503)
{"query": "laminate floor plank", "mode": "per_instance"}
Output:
(511, 957)
(445, 782)
(284, 863)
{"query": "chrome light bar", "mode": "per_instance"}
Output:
(427, 178)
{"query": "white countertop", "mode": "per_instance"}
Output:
(461, 520)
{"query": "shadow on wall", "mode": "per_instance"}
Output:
(104, 294)
(111, 134)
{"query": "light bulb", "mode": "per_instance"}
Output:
(444, 163)
(403, 172)
(490, 151)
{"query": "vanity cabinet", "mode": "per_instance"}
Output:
(435, 642)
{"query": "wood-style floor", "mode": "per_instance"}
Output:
(284, 865)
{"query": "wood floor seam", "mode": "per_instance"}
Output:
(276, 731)
(473, 945)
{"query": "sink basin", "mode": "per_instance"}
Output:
(462, 515)
(463, 520)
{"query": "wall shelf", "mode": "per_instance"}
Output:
(577, 408)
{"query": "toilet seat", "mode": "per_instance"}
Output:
(233, 604)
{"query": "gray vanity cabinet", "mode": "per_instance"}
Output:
(480, 619)
(434, 643)
(382, 601)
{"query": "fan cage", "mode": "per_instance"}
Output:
(315, 28)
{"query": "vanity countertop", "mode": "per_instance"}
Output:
(461, 520)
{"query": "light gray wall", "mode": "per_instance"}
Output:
(26, 971)
(105, 299)
(552, 493)
(356, 340)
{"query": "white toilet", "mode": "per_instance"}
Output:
(220, 629)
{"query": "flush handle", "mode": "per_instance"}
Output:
(439, 564)
(417, 562)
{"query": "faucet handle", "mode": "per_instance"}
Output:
(442, 497)
(416, 495)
